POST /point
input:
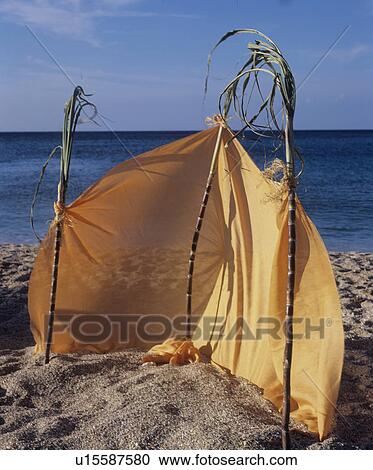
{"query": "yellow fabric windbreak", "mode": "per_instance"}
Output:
(124, 261)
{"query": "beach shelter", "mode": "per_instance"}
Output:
(125, 246)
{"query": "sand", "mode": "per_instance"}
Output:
(112, 402)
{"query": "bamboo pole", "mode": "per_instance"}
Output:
(266, 57)
(73, 109)
(56, 259)
(197, 231)
(288, 350)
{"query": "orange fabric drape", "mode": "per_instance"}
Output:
(124, 263)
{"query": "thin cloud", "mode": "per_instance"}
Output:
(44, 68)
(349, 54)
(75, 19)
(120, 3)
(64, 18)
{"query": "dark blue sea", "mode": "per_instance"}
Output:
(335, 188)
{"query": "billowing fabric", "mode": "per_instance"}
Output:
(124, 262)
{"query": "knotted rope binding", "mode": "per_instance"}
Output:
(277, 174)
(59, 211)
(61, 214)
(216, 120)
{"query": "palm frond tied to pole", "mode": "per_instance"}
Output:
(266, 60)
(73, 110)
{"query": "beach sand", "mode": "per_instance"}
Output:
(112, 402)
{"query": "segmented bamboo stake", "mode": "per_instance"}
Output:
(266, 57)
(197, 232)
(288, 350)
(56, 259)
(73, 108)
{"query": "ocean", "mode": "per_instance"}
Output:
(335, 188)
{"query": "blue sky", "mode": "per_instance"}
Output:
(145, 60)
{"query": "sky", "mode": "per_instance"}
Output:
(145, 60)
